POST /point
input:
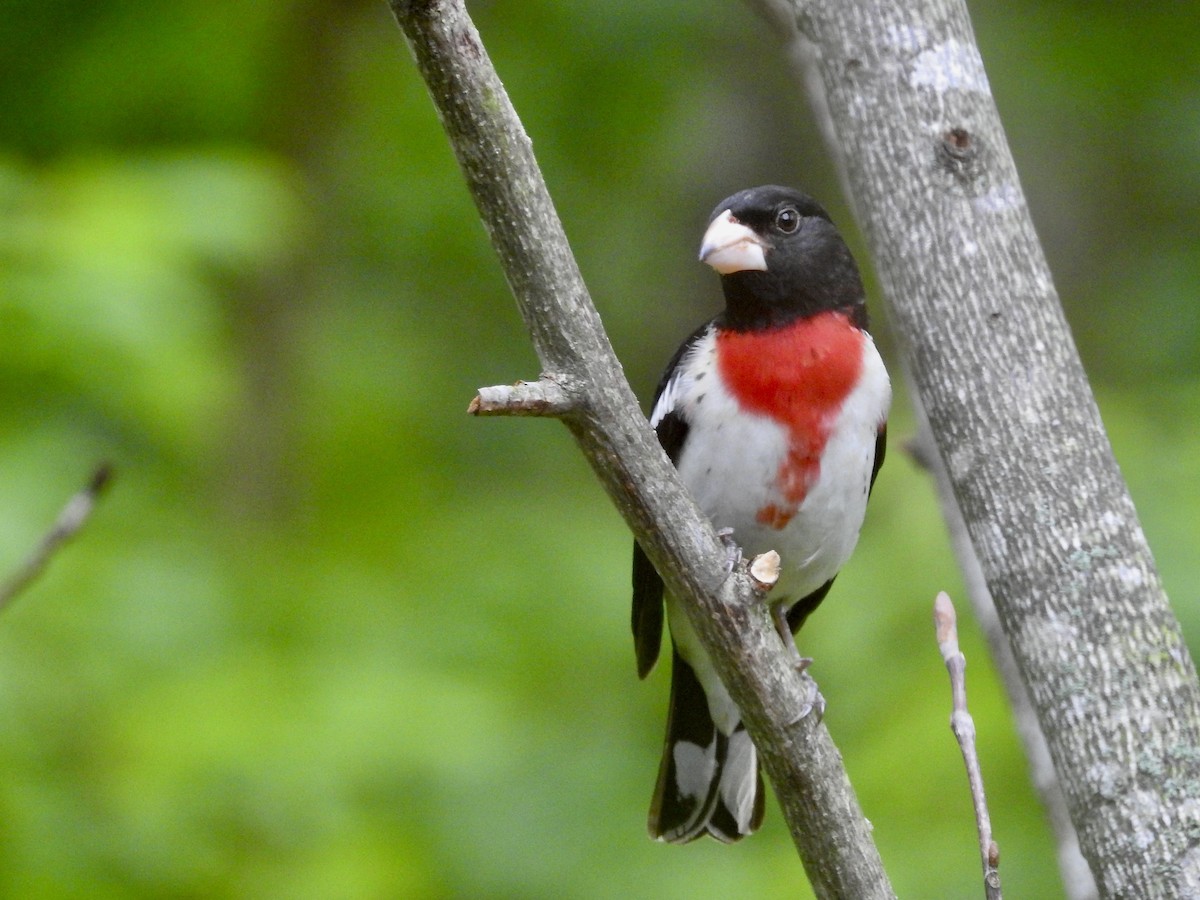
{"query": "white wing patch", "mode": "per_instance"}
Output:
(694, 768)
(669, 397)
(681, 380)
(739, 779)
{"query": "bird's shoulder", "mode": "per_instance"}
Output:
(666, 416)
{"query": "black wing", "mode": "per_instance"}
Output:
(880, 452)
(672, 429)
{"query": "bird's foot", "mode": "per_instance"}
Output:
(779, 617)
(733, 553)
(814, 704)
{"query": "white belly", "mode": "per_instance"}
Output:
(732, 473)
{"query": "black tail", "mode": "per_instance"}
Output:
(707, 781)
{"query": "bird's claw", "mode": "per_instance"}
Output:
(814, 703)
(732, 550)
(779, 617)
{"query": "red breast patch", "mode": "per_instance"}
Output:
(799, 375)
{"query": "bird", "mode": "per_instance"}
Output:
(775, 414)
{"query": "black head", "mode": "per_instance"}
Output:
(780, 258)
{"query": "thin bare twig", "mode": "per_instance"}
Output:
(946, 623)
(73, 517)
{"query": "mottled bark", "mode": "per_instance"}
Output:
(971, 298)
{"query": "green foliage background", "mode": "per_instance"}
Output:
(328, 637)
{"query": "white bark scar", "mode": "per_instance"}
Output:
(950, 65)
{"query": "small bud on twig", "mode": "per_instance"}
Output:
(764, 569)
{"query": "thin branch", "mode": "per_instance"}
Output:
(72, 518)
(963, 725)
(827, 825)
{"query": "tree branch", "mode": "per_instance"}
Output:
(73, 517)
(963, 725)
(829, 829)
(549, 396)
(937, 194)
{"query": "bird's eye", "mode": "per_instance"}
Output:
(787, 220)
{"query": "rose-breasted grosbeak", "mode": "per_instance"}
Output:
(775, 415)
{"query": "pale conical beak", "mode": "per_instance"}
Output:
(729, 246)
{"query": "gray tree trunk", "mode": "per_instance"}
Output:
(969, 293)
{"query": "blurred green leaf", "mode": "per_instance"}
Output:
(330, 637)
